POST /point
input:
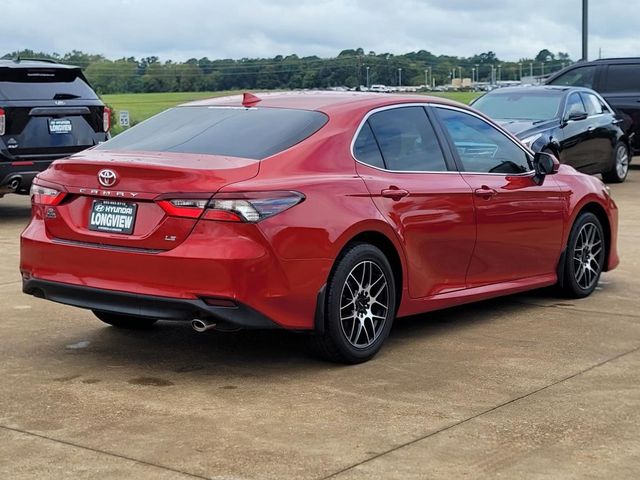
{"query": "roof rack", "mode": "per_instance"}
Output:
(27, 59)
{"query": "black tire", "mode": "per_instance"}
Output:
(620, 164)
(583, 263)
(357, 339)
(125, 321)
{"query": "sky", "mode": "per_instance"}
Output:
(183, 29)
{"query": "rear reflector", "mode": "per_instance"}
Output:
(220, 302)
(106, 119)
(3, 121)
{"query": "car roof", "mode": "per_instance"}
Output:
(34, 64)
(323, 101)
(540, 88)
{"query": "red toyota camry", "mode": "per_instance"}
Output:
(326, 213)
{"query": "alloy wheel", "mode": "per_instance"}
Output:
(587, 256)
(364, 304)
(622, 161)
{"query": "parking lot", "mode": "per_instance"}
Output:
(528, 386)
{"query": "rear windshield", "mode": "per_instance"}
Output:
(43, 84)
(235, 132)
(514, 105)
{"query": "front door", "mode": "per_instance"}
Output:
(519, 223)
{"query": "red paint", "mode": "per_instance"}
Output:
(460, 237)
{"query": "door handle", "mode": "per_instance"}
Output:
(485, 192)
(394, 193)
(590, 129)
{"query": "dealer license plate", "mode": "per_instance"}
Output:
(112, 216)
(59, 125)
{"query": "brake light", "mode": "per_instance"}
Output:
(3, 121)
(106, 119)
(250, 207)
(41, 195)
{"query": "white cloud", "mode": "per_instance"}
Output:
(181, 29)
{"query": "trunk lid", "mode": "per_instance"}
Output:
(141, 180)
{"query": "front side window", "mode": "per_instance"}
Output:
(481, 147)
(407, 140)
(578, 77)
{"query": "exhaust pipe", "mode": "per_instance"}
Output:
(201, 326)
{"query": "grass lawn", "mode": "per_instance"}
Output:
(144, 105)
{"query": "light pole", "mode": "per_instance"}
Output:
(477, 72)
(460, 74)
(473, 75)
(520, 65)
(531, 69)
(499, 72)
(426, 78)
(399, 77)
(367, 77)
(542, 69)
(585, 30)
(430, 76)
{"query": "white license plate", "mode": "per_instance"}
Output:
(112, 216)
(59, 125)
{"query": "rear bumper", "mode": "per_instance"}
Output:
(162, 308)
(16, 177)
(218, 260)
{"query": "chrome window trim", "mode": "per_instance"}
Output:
(527, 151)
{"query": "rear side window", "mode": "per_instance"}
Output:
(577, 77)
(366, 148)
(43, 84)
(254, 133)
(593, 104)
(407, 140)
(623, 78)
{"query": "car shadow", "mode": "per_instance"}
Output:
(14, 207)
(174, 348)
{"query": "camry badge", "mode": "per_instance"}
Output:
(107, 178)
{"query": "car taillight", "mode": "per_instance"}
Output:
(3, 121)
(250, 207)
(106, 119)
(41, 195)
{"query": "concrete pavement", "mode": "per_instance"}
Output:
(528, 386)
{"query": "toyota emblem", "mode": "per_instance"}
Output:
(107, 178)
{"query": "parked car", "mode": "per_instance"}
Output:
(616, 79)
(47, 111)
(574, 124)
(379, 89)
(329, 213)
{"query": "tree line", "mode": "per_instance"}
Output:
(351, 68)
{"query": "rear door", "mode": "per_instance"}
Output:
(621, 88)
(49, 112)
(418, 191)
(519, 223)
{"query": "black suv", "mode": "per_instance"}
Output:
(47, 111)
(616, 79)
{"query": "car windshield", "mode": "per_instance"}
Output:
(254, 133)
(513, 105)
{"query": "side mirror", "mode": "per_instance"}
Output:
(544, 164)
